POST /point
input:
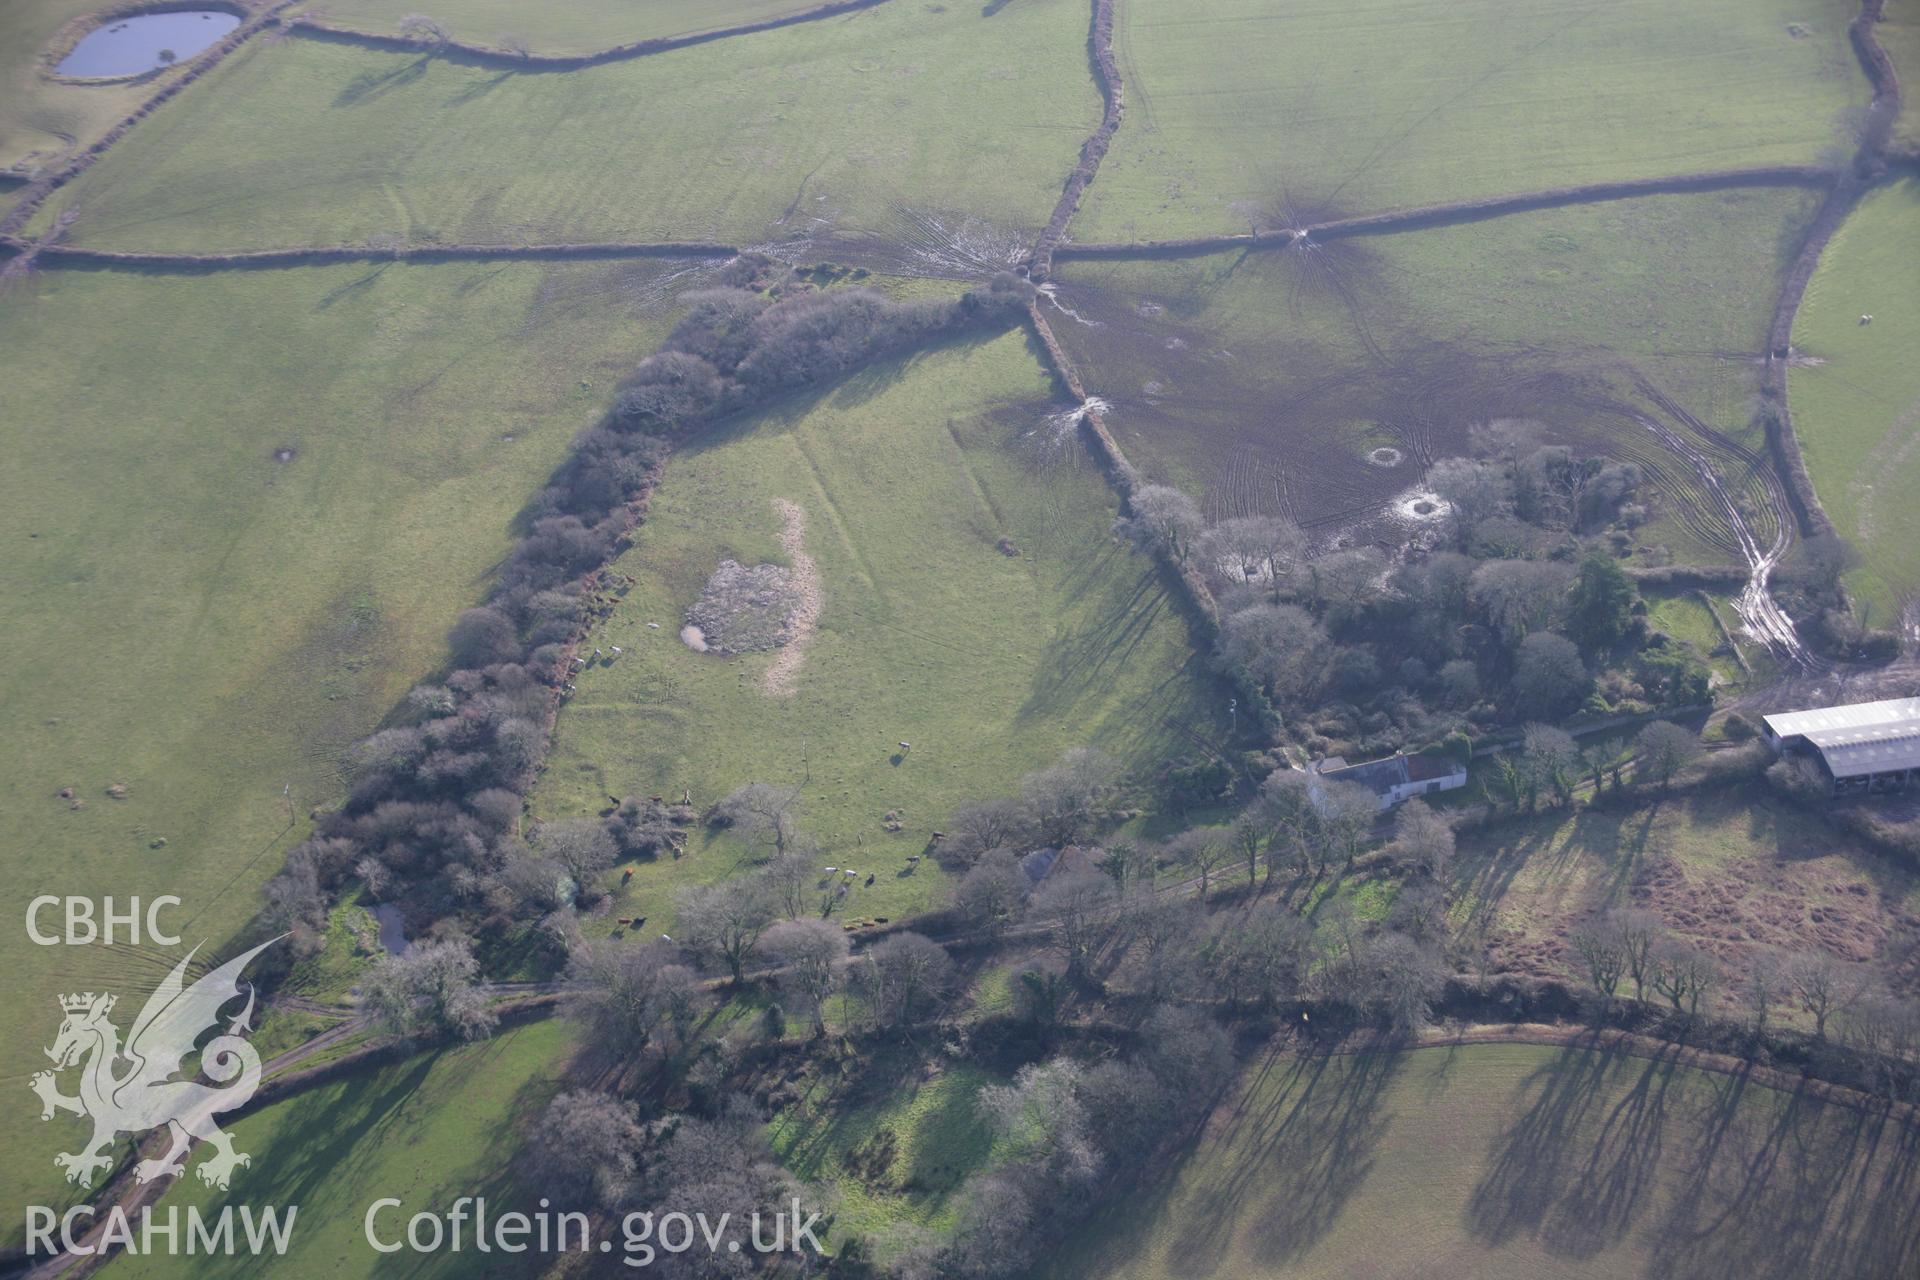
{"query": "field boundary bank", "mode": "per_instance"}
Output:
(1106, 76)
(1203, 613)
(324, 255)
(1869, 162)
(1426, 217)
(469, 54)
(38, 189)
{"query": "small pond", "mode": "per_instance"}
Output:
(129, 46)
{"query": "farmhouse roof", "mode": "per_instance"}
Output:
(1382, 776)
(1862, 738)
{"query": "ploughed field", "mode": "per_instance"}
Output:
(1270, 381)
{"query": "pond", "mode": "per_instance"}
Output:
(130, 46)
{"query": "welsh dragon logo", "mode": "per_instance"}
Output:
(131, 1089)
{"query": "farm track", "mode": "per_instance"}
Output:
(1869, 163)
(480, 55)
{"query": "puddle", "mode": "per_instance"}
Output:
(134, 45)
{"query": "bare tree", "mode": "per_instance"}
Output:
(1824, 986)
(1160, 929)
(1520, 596)
(1602, 951)
(423, 32)
(1638, 934)
(632, 998)
(1549, 679)
(585, 1148)
(1474, 491)
(902, 977)
(1066, 801)
(993, 895)
(1255, 550)
(1763, 986)
(1079, 907)
(812, 955)
(581, 846)
(1663, 749)
(978, 829)
(1404, 979)
(1201, 850)
(1347, 814)
(1424, 840)
(1684, 974)
(433, 986)
(1553, 757)
(1160, 518)
(724, 921)
(762, 814)
(1280, 647)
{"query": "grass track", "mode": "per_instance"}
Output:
(1857, 414)
(1237, 105)
(825, 125)
(207, 625)
(989, 665)
(1510, 1162)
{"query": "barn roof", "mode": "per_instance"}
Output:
(1861, 738)
(1890, 715)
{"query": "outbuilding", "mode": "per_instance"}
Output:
(1861, 747)
(1397, 778)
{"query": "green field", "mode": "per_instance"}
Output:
(1856, 398)
(579, 26)
(427, 1130)
(208, 625)
(1262, 380)
(1236, 108)
(1515, 1162)
(1726, 869)
(809, 131)
(988, 664)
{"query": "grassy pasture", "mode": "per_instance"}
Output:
(580, 26)
(815, 130)
(428, 1130)
(1727, 869)
(208, 625)
(1239, 108)
(1513, 1162)
(1263, 380)
(1857, 411)
(988, 664)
